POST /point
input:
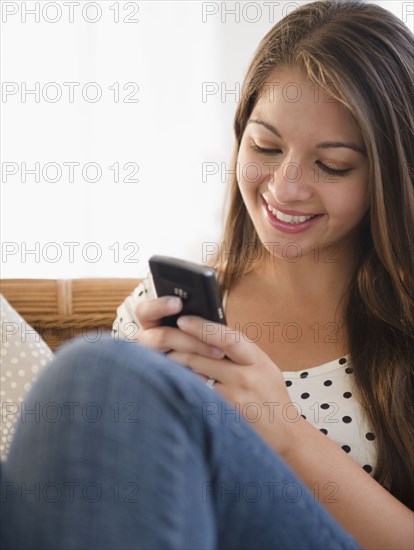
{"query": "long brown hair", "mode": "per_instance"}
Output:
(361, 54)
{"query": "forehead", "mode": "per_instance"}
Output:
(289, 98)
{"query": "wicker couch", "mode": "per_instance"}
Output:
(61, 309)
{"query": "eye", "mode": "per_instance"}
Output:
(326, 169)
(263, 150)
(333, 172)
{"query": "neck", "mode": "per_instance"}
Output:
(321, 276)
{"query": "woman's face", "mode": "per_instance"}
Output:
(303, 156)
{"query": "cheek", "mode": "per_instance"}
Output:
(349, 204)
(250, 172)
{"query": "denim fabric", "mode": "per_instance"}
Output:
(118, 447)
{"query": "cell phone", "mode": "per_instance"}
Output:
(195, 284)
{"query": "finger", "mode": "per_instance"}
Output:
(150, 312)
(165, 339)
(180, 359)
(221, 370)
(234, 343)
(183, 359)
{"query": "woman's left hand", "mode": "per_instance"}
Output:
(246, 377)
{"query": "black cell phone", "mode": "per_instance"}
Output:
(195, 284)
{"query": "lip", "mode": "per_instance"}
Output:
(289, 227)
(290, 212)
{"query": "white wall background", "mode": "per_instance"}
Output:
(167, 50)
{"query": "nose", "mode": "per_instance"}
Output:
(288, 184)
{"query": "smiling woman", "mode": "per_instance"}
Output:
(293, 193)
(243, 462)
(351, 80)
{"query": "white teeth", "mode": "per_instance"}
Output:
(287, 218)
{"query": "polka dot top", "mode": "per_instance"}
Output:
(324, 395)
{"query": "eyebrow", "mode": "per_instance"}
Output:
(323, 145)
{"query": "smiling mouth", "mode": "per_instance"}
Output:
(287, 218)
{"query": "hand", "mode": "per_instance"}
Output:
(246, 377)
(164, 339)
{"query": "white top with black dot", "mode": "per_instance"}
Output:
(324, 395)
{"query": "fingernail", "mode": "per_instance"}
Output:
(217, 352)
(173, 303)
(182, 322)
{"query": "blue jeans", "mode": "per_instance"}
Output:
(118, 447)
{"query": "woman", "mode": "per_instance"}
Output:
(316, 241)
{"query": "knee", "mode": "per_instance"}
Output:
(114, 360)
(113, 371)
(82, 364)
(103, 351)
(92, 386)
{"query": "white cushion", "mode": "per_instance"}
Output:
(24, 355)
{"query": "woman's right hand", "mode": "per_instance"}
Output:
(165, 339)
